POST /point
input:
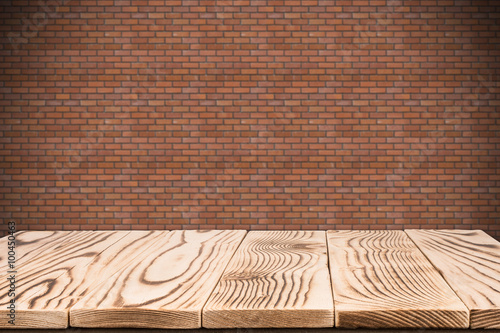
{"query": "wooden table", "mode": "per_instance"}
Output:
(258, 279)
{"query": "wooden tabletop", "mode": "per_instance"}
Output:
(257, 279)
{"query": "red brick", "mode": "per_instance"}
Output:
(254, 115)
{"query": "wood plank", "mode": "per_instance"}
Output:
(166, 289)
(381, 280)
(470, 262)
(37, 278)
(275, 279)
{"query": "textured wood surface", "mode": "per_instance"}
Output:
(381, 280)
(68, 288)
(37, 280)
(275, 279)
(470, 263)
(31, 245)
(163, 279)
(166, 289)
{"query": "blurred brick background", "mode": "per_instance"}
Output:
(250, 114)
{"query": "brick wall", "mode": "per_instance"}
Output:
(250, 114)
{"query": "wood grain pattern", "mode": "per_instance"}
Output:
(31, 245)
(275, 279)
(63, 291)
(166, 289)
(38, 278)
(470, 262)
(381, 280)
